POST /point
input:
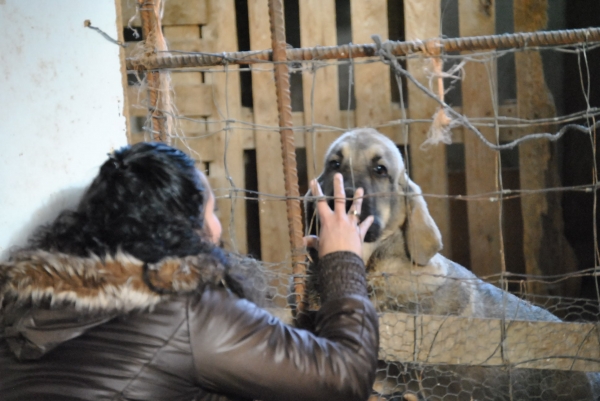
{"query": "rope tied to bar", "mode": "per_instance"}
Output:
(460, 120)
(442, 124)
(441, 127)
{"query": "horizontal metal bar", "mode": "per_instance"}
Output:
(174, 60)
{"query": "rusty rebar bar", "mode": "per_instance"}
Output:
(150, 28)
(288, 149)
(473, 43)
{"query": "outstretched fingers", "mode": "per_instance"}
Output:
(322, 206)
(356, 207)
(356, 210)
(339, 195)
(340, 231)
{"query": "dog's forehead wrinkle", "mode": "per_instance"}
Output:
(334, 154)
(379, 153)
(344, 153)
(357, 142)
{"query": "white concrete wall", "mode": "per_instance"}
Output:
(61, 107)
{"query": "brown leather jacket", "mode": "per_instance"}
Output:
(85, 329)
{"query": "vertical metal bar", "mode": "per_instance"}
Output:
(288, 149)
(150, 29)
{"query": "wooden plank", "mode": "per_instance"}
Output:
(181, 32)
(228, 147)
(371, 81)
(545, 253)
(186, 12)
(247, 131)
(185, 38)
(506, 134)
(176, 12)
(135, 137)
(456, 340)
(467, 341)
(197, 140)
(320, 86)
(477, 19)
(298, 121)
(428, 166)
(194, 100)
(192, 128)
(200, 147)
(274, 235)
(186, 78)
(196, 45)
(194, 125)
(508, 109)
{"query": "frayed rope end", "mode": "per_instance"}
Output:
(440, 130)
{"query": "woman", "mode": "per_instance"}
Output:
(129, 297)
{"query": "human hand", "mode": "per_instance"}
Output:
(340, 231)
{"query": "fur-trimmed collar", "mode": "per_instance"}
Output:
(95, 290)
(110, 284)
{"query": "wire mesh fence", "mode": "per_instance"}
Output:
(509, 308)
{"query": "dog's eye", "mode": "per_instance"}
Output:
(380, 170)
(334, 165)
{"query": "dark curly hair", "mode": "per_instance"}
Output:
(147, 200)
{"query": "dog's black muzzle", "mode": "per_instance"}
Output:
(368, 208)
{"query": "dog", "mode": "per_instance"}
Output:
(406, 273)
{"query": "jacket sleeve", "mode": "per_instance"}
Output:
(241, 350)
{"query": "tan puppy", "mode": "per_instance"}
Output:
(407, 274)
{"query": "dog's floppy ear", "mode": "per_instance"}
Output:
(423, 236)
